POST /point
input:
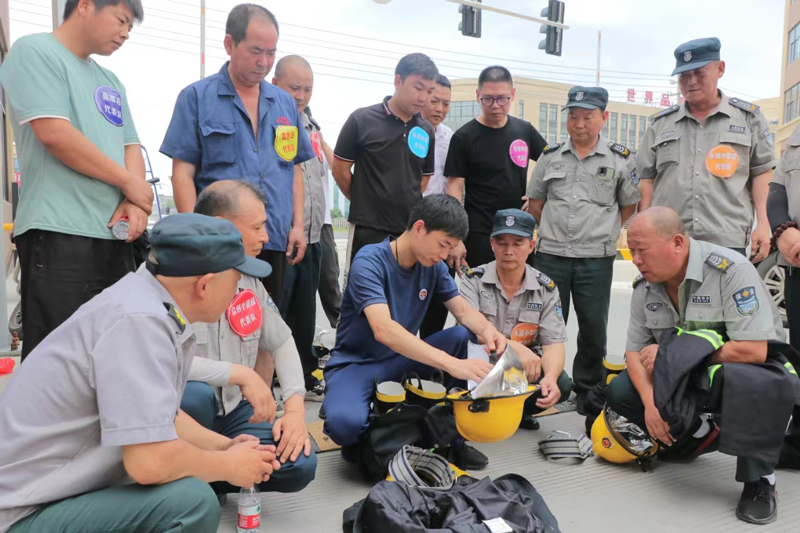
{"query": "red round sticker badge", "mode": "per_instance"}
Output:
(316, 144)
(524, 333)
(519, 153)
(244, 313)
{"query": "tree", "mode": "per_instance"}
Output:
(336, 213)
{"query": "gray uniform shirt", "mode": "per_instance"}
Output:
(218, 347)
(112, 375)
(674, 153)
(581, 213)
(722, 291)
(532, 315)
(788, 175)
(314, 180)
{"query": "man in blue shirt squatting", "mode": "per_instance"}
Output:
(235, 125)
(389, 289)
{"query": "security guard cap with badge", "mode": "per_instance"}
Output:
(513, 222)
(189, 244)
(587, 98)
(696, 54)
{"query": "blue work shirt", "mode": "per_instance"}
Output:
(211, 129)
(375, 277)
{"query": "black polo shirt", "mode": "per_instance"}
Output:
(391, 157)
(494, 165)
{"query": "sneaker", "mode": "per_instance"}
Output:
(466, 457)
(315, 392)
(759, 503)
(529, 422)
(322, 415)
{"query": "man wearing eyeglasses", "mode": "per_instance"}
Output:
(710, 158)
(489, 157)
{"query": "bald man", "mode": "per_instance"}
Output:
(694, 285)
(299, 302)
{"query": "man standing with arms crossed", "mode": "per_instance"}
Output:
(710, 158)
(235, 125)
(82, 162)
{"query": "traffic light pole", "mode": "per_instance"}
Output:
(508, 13)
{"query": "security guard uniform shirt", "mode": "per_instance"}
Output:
(532, 315)
(211, 129)
(788, 175)
(112, 375)
(704, 171)
(581, 213)
(314, 179)
(722, 291)
(219, 346)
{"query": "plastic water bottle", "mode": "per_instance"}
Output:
(249, 510)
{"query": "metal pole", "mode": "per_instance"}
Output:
(202, 39)
(509, 13)
(599, 38)
(58, 12)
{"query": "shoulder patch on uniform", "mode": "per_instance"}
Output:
(175, 315)
(720, 262)
(477, 271)
(743, 104)
(664, 112)
(271, 303)
(620, 149)
(545, 280)
(637, 280)
(551, 148)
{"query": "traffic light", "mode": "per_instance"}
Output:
(551, 44)
(470, 24)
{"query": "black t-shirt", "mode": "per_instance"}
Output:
(390, 156)
(494, 165)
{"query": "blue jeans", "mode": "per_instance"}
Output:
(350, 387)
(200, 402)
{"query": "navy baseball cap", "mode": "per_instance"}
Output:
(513, 222)
(696, 54)
(188, 244)
(587, 98)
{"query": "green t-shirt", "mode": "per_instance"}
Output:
(43, 79)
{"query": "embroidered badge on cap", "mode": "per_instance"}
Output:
(244, 313)
(701, 299)
(746, 301)
(687, 56)
(579, 96)
(510, 220)
(109, 103)
(655, 306)
(423, 294)
(419, 141)
(519, 153)
(534, 306)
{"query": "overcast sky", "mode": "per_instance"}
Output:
(354, 68)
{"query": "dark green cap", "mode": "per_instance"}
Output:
(513, 222)
(587, 98)
(696, 54)
(189, 244)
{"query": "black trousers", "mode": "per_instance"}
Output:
(330, 294)
(299, 305)
(274, 282)
(791, 289)
(363, 236)
(60, 273)
(623, 398)
(587, 281)
(564, 386)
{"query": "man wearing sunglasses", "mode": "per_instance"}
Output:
(489, 157)
(710, 158)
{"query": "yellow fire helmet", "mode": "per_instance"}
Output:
(489, 419)
(618, 440)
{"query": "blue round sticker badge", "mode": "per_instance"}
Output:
(419, 141)
(109, 103)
